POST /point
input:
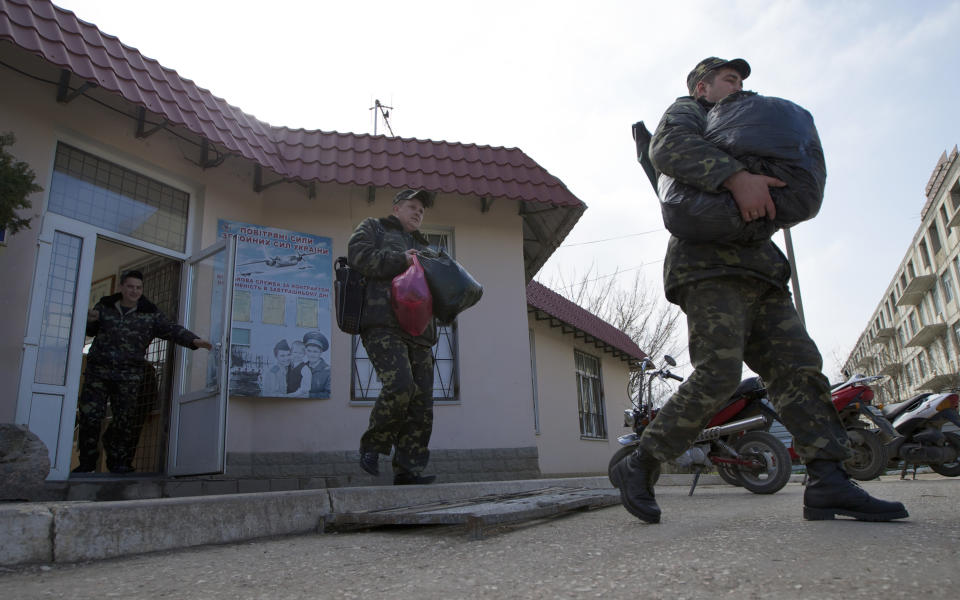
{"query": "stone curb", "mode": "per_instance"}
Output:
(64, 532)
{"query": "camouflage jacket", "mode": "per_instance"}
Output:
(379, 263)
(679, 150)
(121, 340)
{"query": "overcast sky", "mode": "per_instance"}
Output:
(563, 81)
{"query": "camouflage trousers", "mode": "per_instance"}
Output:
(121, 437)
(732, 320)
(402, 417)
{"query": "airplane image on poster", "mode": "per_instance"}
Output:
(284, 262)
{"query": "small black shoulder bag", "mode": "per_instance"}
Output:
(350, 290)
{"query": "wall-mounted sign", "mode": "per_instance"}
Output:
(280, 341)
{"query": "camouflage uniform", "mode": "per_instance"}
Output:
(115, 373)
(402, 417)
(738, 310)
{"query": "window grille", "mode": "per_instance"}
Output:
(93, 190)
(446, 383)
(593, 421)
(58, 303)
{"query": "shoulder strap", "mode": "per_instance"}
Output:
(380, 233)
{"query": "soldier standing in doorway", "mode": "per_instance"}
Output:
(123, 325)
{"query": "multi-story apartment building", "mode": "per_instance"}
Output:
(913, 336)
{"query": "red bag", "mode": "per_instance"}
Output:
(412, 303)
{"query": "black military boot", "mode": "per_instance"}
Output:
(370, 461)
(830, 492)
(635, 476)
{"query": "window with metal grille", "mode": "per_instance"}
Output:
(58, 301)
(446, 383)
(96, 191)
(593, 420)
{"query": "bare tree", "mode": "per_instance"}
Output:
(637, 309)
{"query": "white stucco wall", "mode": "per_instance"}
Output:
(562, 449)
(494, 406)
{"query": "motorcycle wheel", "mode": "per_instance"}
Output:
(729, 473)
(619, 455)
(773, 454)
(869, 458)
(949, 469)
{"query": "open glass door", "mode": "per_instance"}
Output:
(198, 410)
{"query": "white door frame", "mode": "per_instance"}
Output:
(197, 444)
(50, 410)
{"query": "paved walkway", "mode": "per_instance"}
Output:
(60, 532)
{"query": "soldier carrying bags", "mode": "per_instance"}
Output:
(402, 418)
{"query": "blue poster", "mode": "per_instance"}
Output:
(280, 339)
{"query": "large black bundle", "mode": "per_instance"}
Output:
(770, 136)
(453, 289)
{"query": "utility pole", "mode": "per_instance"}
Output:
(795, 279)
(381, 111)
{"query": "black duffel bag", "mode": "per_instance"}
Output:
(770, 136)
(453, 289)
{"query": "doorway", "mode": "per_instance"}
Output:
(144, 436)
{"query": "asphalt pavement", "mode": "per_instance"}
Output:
(722, 542)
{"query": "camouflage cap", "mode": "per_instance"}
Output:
(709, 64)
(423, 195)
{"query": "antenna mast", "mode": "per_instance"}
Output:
(381, 111)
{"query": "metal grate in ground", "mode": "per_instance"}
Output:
(484, 511)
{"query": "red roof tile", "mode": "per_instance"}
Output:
(546, 300)
(330, 157)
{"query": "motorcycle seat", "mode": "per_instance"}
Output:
(747, 387)
(892, 411)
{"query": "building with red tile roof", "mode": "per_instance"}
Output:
(142, 168)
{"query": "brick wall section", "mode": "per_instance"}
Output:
(282, 471)
(340, 468)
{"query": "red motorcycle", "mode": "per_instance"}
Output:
(735, 440)
(853, 400)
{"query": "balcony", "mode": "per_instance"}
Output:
(864, 364)
(884, 335)
(916, 289)
(938, 382)
(927, 334)
(891, 368)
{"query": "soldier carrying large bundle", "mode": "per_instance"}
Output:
(738, 309)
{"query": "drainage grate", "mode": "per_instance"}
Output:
(483, 511)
